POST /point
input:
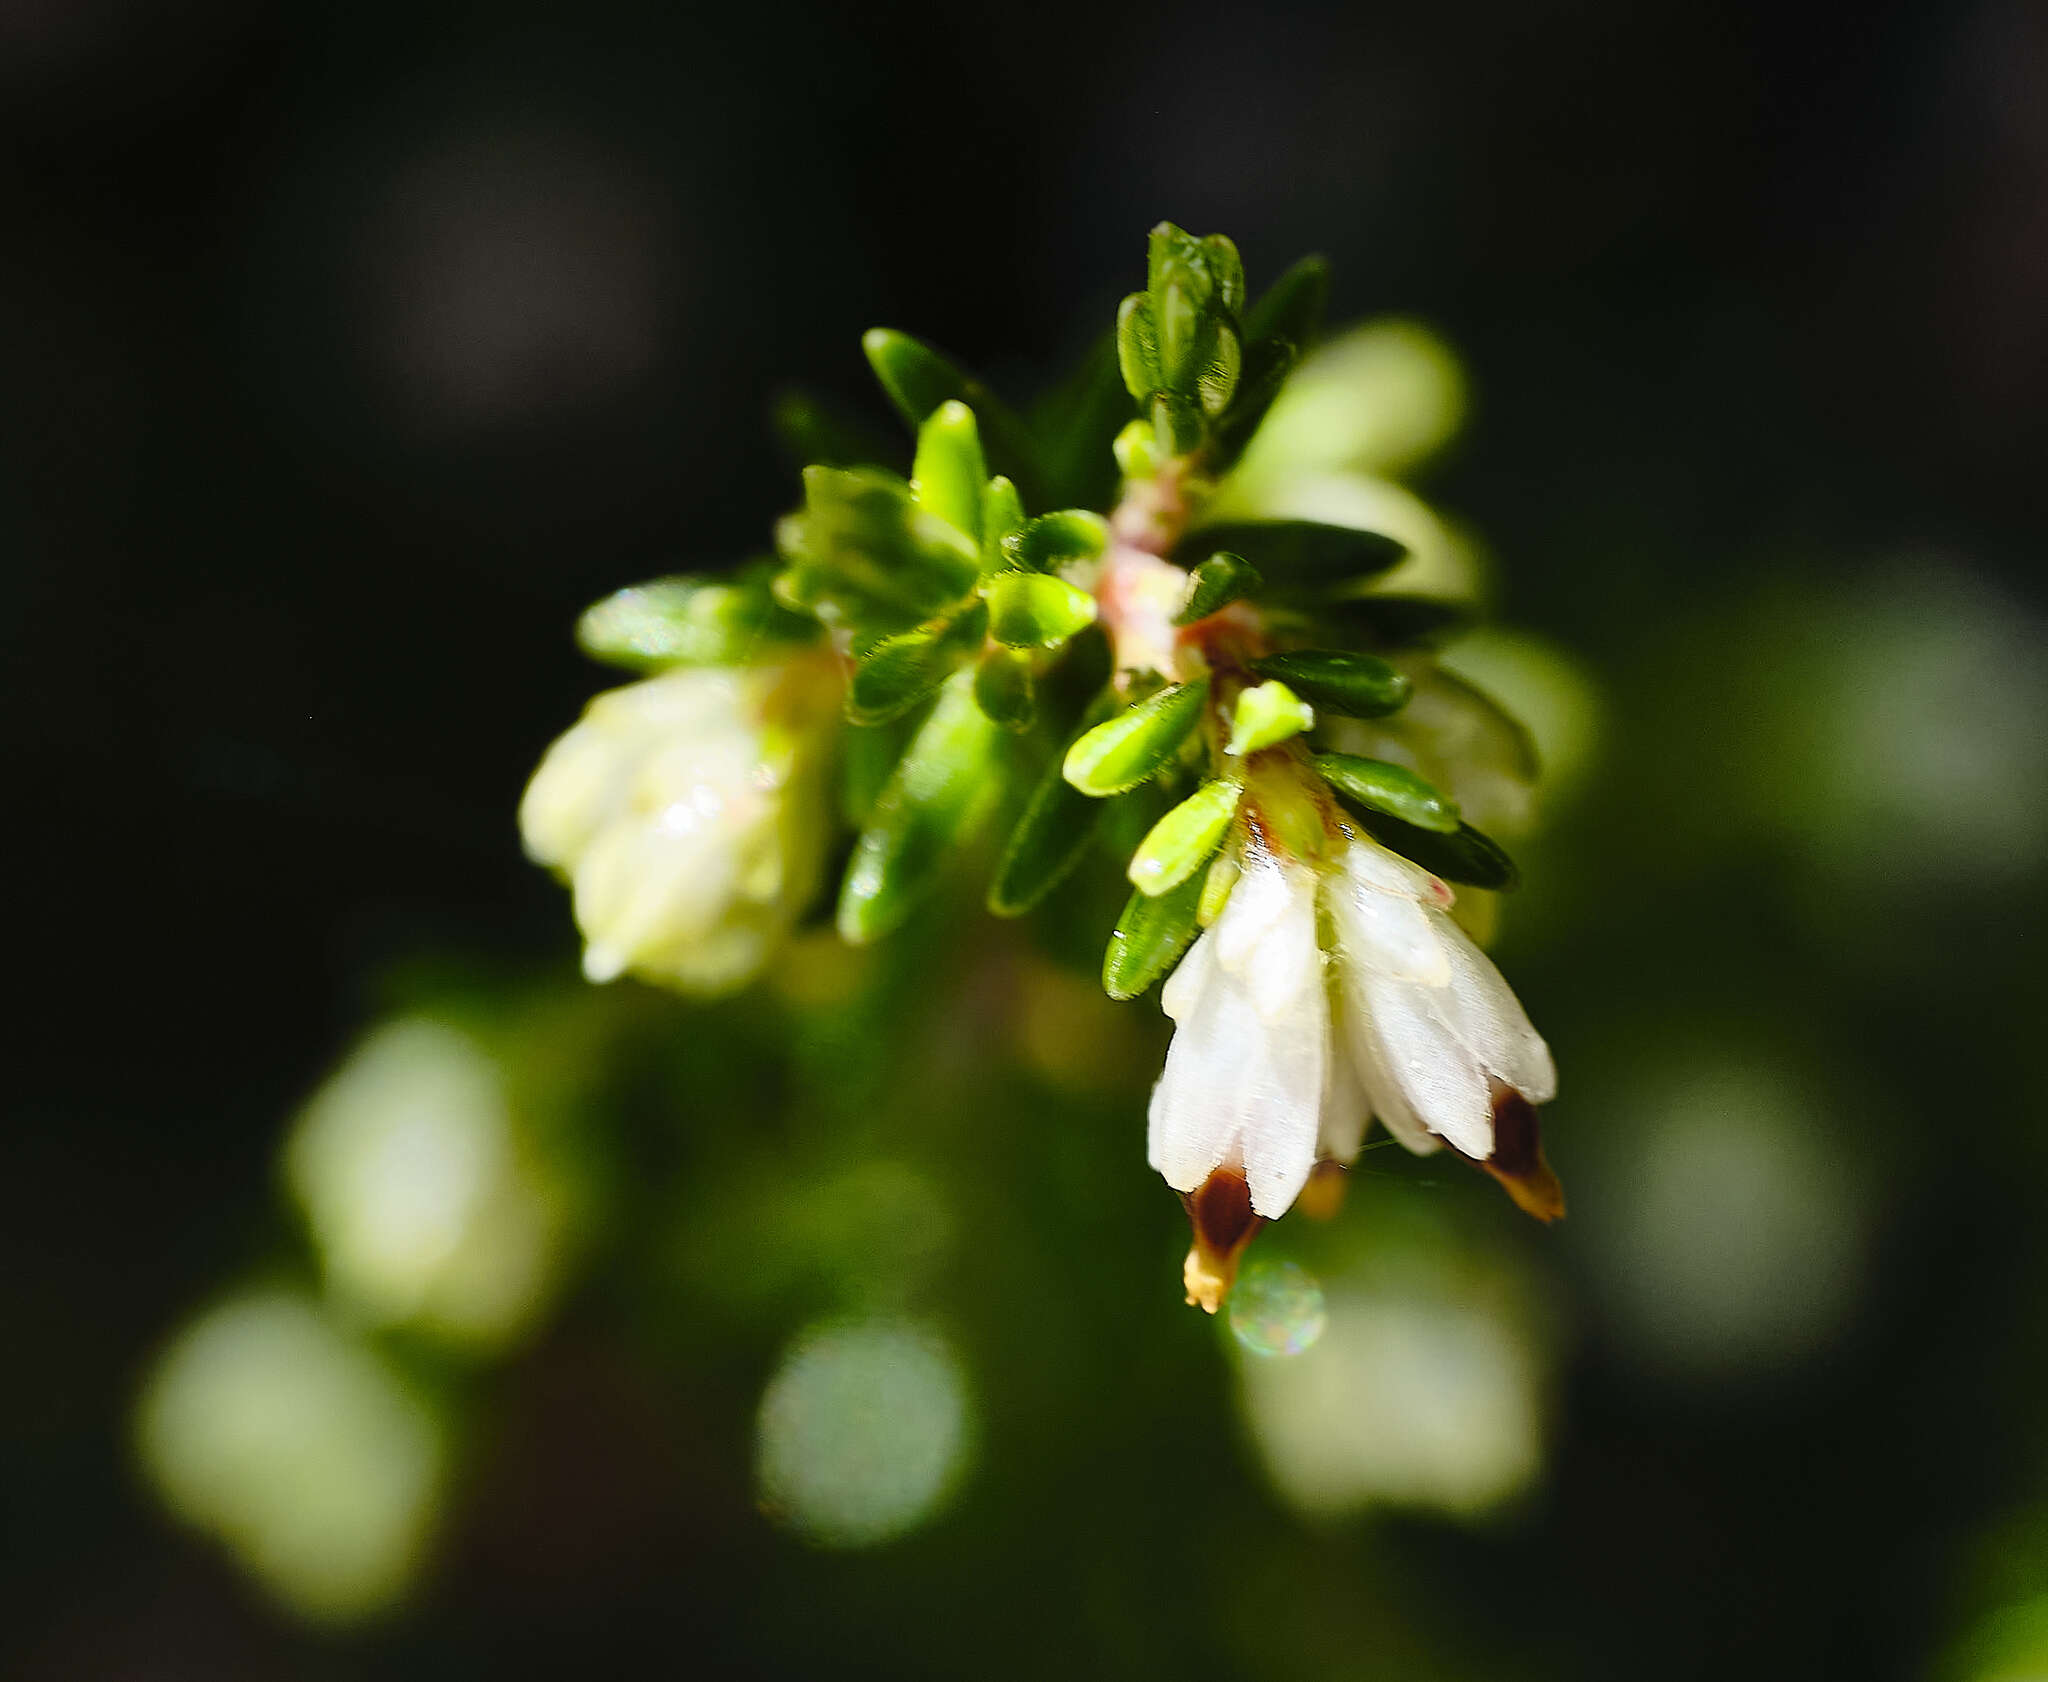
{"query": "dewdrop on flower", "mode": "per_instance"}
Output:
(1287, 1040)
(688, 813)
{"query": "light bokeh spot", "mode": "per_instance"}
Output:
(1728, 1229)
(1421, 1392)
(268, 1427)
(425, 1204)
(864, 1431)
(1277, 1308)
(1380, 397)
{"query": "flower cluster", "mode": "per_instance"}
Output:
(1258, 694)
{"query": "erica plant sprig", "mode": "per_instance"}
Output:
(1249, 693)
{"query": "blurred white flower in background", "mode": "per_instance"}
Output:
(267, 1426)
(424, 1200)
(688, 812)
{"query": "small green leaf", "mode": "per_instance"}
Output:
(1265, 715)
(1172, 251)
(1002, 512)
(1149, 938)
(1216, 383)
(690, 622)
(1177, 423)
(1005, 688)
(1138, 742)
(868, 758)
(1226, 270)
(950, 474)
(1075, 423)
(1178, 318)
(1215, 584)
(864, 557)
(1064, 538)
(1137, 450)
(898, 672)
(1180, 843)
(1049, 840)
(1465, 855)
(1137, 346)
(1303, 551)
(1032, 610)
(1292, 307)
(1217, 881)
(1389, 788)
(1267, 363)
(1355, 685)
(918, 379)
(946, 784)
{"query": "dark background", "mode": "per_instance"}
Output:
(345, 352)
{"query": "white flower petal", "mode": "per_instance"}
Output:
(1482, 1010)
(1382, 1092)
(1346, 1111)
(1441, 1080)
(1370, 865)
(1388, 932)
(1238, 1088)
(1262, 897)
(1189, 977)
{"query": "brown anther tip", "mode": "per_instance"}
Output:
(1518, 1161)
(1220, 1211)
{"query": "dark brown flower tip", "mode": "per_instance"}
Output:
(1517, 1160)
(1220, 1211)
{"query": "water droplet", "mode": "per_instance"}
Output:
(1276, 1308)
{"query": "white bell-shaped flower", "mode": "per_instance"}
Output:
(1286, 1043)
(688, 813)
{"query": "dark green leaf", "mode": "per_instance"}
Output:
(1215, 584)
(946, 784)
(1005, 689)
(815, 431)
(918, 379)
(1138, 742)
(1267, 363)
(691, 622)
(1149, 938)
(1389, 788)
(1050, 836)
(1301, 551)
(1076, 425)
(1356, 685)
(1292, 307)
(1177, 422)
(1465, 855)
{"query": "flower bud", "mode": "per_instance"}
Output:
(688, 813)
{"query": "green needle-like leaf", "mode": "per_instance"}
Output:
(898, 672)
(1393, 789)
(1180, 843)
(1149, 938)
(1138, 742)
(1002, 514)
(946, 784)
(1215, 584)
(1355, 685)
(1032, 610)
(1302, 551)
(1226, 271)
(1050, 838)
(950, 474)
